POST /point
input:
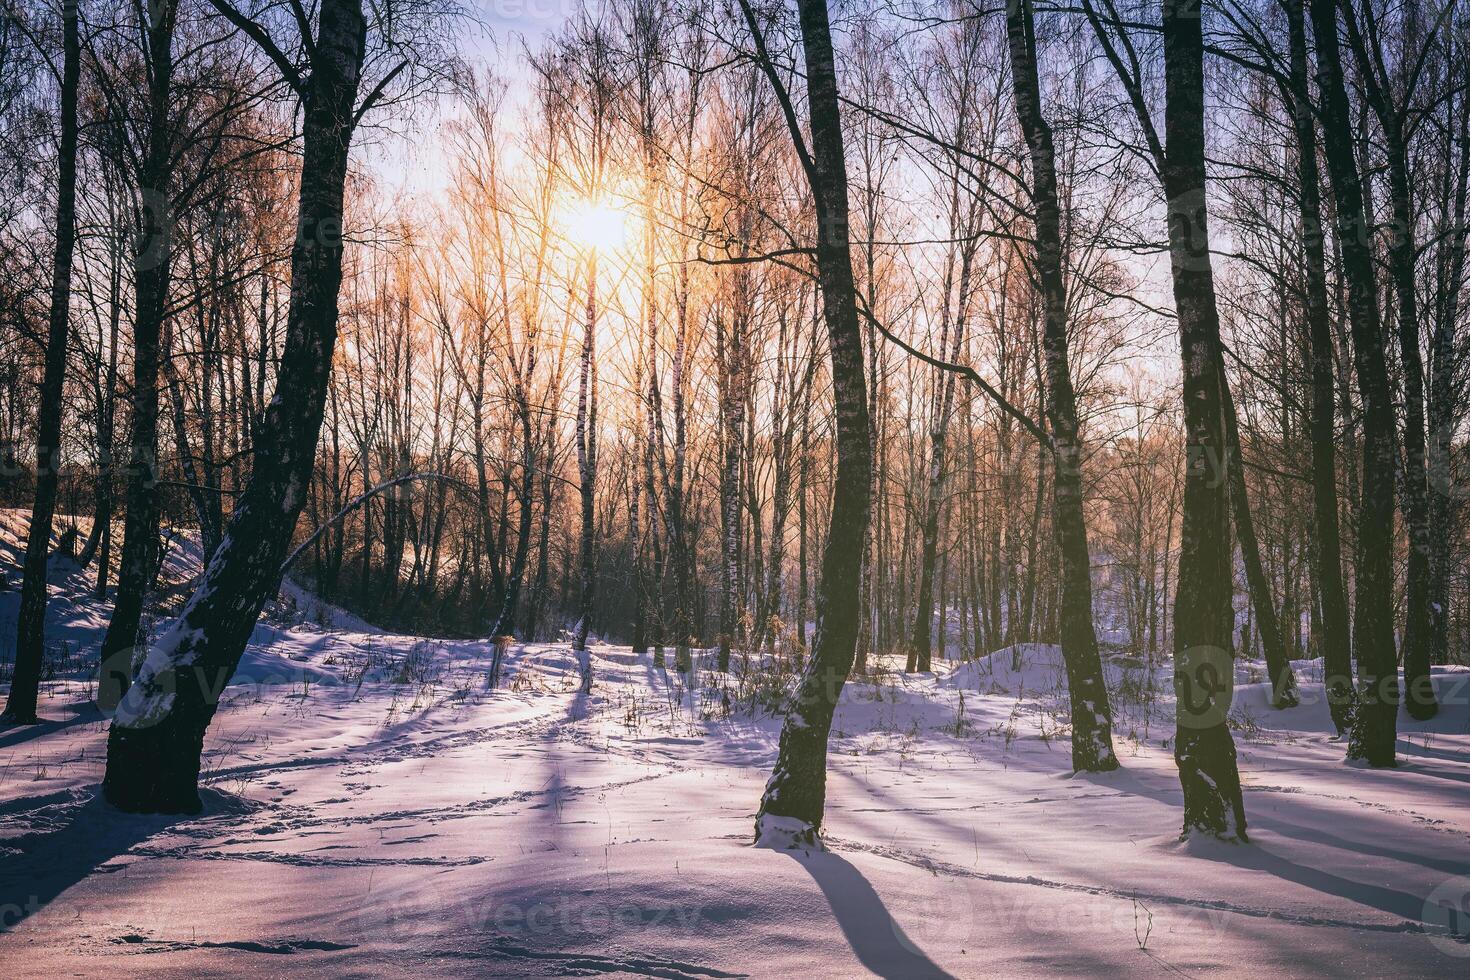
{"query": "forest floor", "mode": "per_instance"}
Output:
(372, 809)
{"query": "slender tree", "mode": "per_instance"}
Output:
(1335, 642)
(152, 258)
(1092, 738)
(1375, 718)
(792, 806)
(30, 637)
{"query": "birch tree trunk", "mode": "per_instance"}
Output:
(587, 473)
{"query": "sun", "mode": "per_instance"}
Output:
(595, 224)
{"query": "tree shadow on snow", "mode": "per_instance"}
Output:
(1267, 856)
(76, 837)
(875, 936)
(82, 712)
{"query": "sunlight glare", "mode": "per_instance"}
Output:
(597, 225)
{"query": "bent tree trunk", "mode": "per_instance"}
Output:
(30, 633)
(360, 501)
(795, 796)
(154, 745)
(1203, 612)
(1092, 721)
(1375, 717)
(1335, 642)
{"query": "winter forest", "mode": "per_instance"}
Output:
(722, 488)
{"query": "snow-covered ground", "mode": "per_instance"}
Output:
(371, 809)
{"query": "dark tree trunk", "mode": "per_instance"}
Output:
(511, 599)
(795, 796)
(1203, 611)
(1268, 623)
(30, 633)
(1402, 255)
(540, 584)
(1092, 722)
(1375, 717)
(152, 254)
(1443, 397)
(157, 736)
(1335, 646)
(99, 542)
(587, 476)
